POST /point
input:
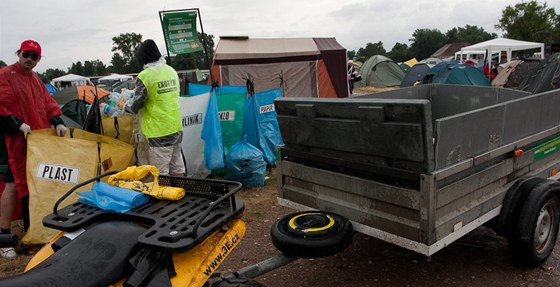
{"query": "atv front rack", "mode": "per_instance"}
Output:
(174, 225)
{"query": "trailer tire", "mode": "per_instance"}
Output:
(312, 234)
(541, 220)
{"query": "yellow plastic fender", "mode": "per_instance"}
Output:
(43, 253)
(195, 267)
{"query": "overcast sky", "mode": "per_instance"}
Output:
(72, 31)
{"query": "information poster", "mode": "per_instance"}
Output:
(180, 32)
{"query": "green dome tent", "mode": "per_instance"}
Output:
(462, 75)
(380, 71)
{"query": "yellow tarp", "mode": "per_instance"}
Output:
(145, 179)
(411, 62)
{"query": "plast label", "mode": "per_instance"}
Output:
(58, 173)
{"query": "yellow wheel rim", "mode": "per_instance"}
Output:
(292, 223)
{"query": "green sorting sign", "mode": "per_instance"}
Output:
(180, 32)
(547, 148)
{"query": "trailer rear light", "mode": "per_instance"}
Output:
(518, 152)
(553, 172)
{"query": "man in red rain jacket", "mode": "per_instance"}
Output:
(25, 105)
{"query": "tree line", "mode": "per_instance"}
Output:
(527, 21)
(124, 59)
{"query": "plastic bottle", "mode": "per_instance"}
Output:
(114, 99)
(109, 110)
(127, 94)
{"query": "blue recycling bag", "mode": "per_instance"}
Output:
(114, 198)
(245, 164)
(212, 136)
(260, 124)
(232, 90)
(198, 89)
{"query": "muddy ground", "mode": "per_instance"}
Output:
(478, 259)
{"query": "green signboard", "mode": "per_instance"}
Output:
(547, 148)
(180, 32)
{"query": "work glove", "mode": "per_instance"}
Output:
(60, 130)
(25, 129)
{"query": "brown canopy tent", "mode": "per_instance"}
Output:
(308, 67)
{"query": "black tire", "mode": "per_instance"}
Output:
(545, 219)
(312, 234)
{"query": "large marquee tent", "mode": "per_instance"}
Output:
(503, 44)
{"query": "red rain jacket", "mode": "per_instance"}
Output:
(25, 97)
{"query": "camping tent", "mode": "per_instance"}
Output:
(115, 77)
(405, 66)
(431, 61)
(504, 72)
(380, 71)
(86, 93)
(438, 69)
(522, 71)
(503, 44)
(410, 63)
(308, 67)
(70, 80)
(462, 74)
(416, 73)
(540, 80)
(51, 89)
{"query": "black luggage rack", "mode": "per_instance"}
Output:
(174, 225)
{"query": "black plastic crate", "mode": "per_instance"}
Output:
(174, 225)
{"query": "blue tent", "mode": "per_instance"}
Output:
(52, 90)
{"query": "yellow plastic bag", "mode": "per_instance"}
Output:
(55, 164)
(145, 179)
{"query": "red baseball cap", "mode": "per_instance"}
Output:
(30, 45)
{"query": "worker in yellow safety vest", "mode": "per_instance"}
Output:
(156, 100)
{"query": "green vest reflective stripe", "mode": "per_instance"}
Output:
(161, 115)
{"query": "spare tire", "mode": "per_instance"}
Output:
(312, 234)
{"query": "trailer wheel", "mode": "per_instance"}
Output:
(545, 219)
(312, 234)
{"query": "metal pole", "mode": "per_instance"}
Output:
(262, 267)
(204, 47)
(164, 38)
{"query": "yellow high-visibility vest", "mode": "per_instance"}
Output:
(161, 115)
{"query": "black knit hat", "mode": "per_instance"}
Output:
(148, 52)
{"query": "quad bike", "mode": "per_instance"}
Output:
(169, 243)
